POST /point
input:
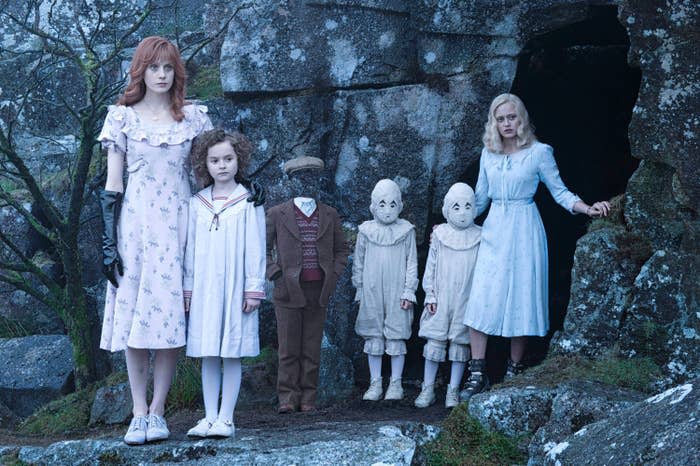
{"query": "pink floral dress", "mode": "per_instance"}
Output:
(146, 311)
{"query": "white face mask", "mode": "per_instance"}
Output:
(460, 213)
(386, 202)
(458, 207)
(387, 211)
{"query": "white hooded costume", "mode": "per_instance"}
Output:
(448, 277)
(385, 271)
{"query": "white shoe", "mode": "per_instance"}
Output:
(136, 435)
(451, 397)
(201, 429)
(374, 392)
(157, 428)
(221, 429)
(394, 391)
(426, 397)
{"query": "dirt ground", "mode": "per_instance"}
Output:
(266, 417)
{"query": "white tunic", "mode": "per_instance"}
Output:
(385, 271)
(510, 289)
(224, 264)
(447, 282)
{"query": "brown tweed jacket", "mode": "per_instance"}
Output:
(284, 252)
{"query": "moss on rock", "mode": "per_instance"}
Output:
(463, 441)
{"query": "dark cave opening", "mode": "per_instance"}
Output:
(579, 92)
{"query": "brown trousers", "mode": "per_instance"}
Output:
(299, 335)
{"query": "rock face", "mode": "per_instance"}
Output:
(289, 46)
(663, 321)
(575, 405)
(336, 374)
(112, 405)
(37, 370)
(326, 443)
(663, 429)
(654, 310)
(600, 292)
(664, 126)
(513, 411)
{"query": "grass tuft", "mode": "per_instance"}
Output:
(10, 328)
(463, 441)
(186, 390)
(267, 355)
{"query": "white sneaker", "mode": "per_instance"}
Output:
(201, 429)
(426, 397)
(374, 392)
(394, 391)
(136, 435)
(221, 429)
(157, 428)
(451, 397)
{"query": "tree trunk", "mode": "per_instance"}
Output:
(82, 323)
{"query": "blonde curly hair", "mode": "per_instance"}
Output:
(526, 132)
(200, 149)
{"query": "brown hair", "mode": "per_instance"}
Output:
(151, 50)
(200, 149)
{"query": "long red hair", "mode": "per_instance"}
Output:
(151, 50)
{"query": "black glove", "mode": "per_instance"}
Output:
(111, 203)
(257, 192)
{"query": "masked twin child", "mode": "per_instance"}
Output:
(385, 274)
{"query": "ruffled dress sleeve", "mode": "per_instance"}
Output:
(113, 134)
(200, 119)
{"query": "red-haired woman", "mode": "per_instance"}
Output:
(151, 130)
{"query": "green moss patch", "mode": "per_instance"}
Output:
(66, 415)
(463, 441)
(206, 83)
(69, 414)
(633, 373)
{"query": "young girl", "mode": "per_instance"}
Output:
(447, 281)
(385, 273)
(224, 275)
(149, 134)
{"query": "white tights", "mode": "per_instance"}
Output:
(212, 384)
(456, 373)
(375, 366)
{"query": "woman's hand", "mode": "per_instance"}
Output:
(431, 308)
(406, 304)
(250, 304)
(187, 304)
(599, 209)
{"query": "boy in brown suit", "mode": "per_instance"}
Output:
(306, 253)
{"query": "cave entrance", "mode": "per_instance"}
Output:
(579, 92)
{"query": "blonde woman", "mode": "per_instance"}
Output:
(509, 293)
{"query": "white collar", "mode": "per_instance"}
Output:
(306, 204)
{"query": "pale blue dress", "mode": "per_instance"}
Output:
(510, 289)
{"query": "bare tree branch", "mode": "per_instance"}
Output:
(16, 281)
(47, 207)
(33, 221)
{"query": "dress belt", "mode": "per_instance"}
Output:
(509, 202)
